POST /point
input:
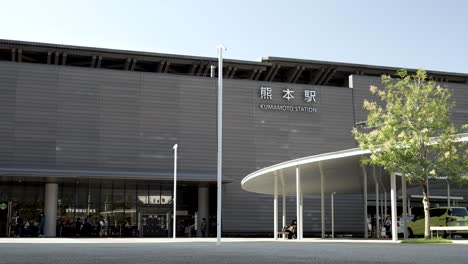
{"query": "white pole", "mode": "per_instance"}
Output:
(301, 235)
(333, 213)
(409, 206)
(448, 193)
(385, 205)
(175, 194)
(405, 206)
(220, 48)
(366, 224)
(377, 199)
(393, 206)
(298, 201)
(322, 198)
(275, 209)
(284, 208)
(382, 213)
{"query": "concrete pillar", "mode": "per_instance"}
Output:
(393, 208)
(50, 209)
(202, 209)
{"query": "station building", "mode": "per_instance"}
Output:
(88, 132)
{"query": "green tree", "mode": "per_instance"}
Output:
(409, 131)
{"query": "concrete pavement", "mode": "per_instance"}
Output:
(232, 250)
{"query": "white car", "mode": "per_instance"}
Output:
(400, 223)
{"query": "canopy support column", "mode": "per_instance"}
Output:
(405, 206)
(275, 209)
(448, 193)
(366, 226)
(298, 201)
(377, 199)
(322, 198)
(385, 205)
(393, 206)
(301, 234)
(284, 201)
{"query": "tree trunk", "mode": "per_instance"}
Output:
(427, 217)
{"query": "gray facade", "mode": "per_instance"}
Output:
(65, 121)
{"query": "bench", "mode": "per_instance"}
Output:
(285, 233)
(447, 228)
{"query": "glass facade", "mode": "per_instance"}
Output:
(97, 207)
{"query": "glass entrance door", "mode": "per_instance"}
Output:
(154, 221)
(154, 225)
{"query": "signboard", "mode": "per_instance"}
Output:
(290, 98)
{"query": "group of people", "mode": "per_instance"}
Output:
(79, 228)
(385, 225)
(29, 227)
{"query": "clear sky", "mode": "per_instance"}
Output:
(402, 33)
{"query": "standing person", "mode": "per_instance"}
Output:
(19, 225)
(87, 226)
(78, 225)
(203, 227)
(41, 224)
(102, 228)
(106, 227)
(388, 225)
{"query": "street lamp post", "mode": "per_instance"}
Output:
(220, 49)
(174, 200)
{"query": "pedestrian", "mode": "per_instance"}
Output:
(203, 227)
(102, 228)
(19, 225)
(388, 225)
(78, 226)
(41, 224)
(292, 230)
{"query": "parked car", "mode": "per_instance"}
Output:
(440, 216)
(400, 222)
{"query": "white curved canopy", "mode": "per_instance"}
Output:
(342, 174)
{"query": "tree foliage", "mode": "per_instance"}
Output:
(409, 130)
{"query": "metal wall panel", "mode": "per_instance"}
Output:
(361, 91)
(125, 123)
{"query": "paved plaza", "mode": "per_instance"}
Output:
(116, 251)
